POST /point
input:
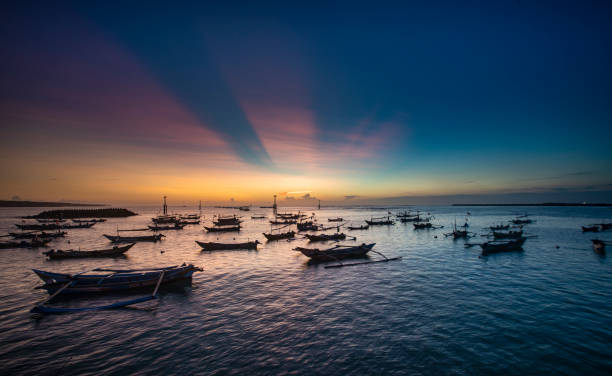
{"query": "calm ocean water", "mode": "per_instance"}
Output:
(441, 310)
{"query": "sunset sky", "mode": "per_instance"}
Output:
(344, 102)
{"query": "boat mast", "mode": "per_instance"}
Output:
(274, 205)
(319, 204)
(165, 207)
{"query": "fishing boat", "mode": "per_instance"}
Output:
(92, 220)
(175, 226)
(522, 220)
(290, 215)
(508, 235)
(50, 220)
(499, 227)
(34, 243)
(410, 219)
(186, 222)
(39, 226)
(422, 225)
(279, 236)
(78, 225)
(222, 228)
(283, 222)
(134, 239)
(497, 246)
(337, 252)
(211, 246)
(244, 208)
(227, 221)
(380, 221)
(36, 234)
(189, 216)
(404, 214)
(112, 280)
(163, 219)
(325, 237)
(70, 253)
(594, 228)
(258, 216)
(338, 219)
(307, 226)
(362, 227)
(599, 246)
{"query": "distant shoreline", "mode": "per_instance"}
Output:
(39, 204)
(542, 204)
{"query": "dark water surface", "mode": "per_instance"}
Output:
(440, 310)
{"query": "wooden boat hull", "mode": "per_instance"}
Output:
(325, 237)
(359, 228)
(223, 229)
(163, 228)
(114, 282)
(497, 247)
(134, 239)
(41, 235)
(211, 246)
(285, 235)
(112, 252)
(420, 226)
(380, 223)
(335, 220)
(590, 228)
(336, 253)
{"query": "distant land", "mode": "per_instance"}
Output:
(23, 204)
(541, 204)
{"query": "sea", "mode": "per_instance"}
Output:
(443, 309)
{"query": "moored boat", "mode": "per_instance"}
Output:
(134, 239)
(362, 227)
(325, 237)
(338, 219)
(279, 236)
(222, 228)
(337, 252)
(497, 246)
(499, 227)
(36, 234)
(113, 279)
(70, 253)
(91, 220)
(422, 225)
(594, 228)
(175, 226)
(212, 246)
(380, 221)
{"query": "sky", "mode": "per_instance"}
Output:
(345, 102)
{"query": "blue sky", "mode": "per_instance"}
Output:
(381, 99)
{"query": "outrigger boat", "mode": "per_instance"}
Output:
(227, 221)
(362, 227)
(283, 222)
(594, 228)
(499, 227)
(70, 253)
(92, 220)
(337, 252)
(325, 237)
(185, 222)
(508, 235)
(34, 243)
(53, 226)
(175, 226)
(211, 246)
(50, 220)
(134, 239)
(163, 219)
(497, 246)
(307, 226)
(338, 219)
(422, 225)
(522, 220)
(35, 234)
(279, 236)
(114, 280)
(380, 221)
(222, 228)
